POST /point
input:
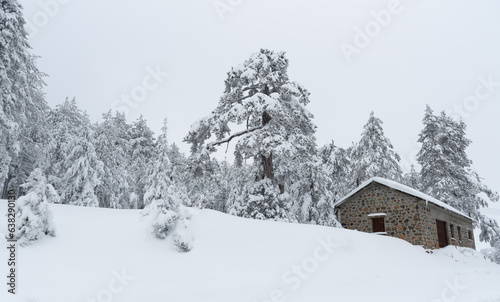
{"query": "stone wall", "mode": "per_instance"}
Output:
(406, 216)
(429, 228)
(455, 221)
(402, 218)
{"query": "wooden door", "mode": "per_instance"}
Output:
(441, 230)
(378, 225)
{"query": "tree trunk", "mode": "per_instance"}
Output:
(267, 165)
(267, 161)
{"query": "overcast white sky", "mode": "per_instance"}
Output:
(428, 52)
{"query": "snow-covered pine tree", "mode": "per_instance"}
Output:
(142, 145)
(160, 171)
(21, 97)
(206, 183)
(447, 172)
(224, 183)
(239, 176)
(33, 150)
(34, 218)
(443, 159)
(374, 155)
(412, 178)
(315, 195)
(260, 98)
(338, 167)
(67, 123)
(83, 171)
(164, 198)
(180, 172)
(113, 149)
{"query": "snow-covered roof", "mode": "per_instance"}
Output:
(404, 189)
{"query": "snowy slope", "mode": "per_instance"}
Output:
(236, 259)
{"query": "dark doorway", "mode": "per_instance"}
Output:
(441, 228)
(378, 225)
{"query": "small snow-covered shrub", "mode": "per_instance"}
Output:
(167, 220)
(33, 216)
(492, 253)
(183, 237)
(164, 222)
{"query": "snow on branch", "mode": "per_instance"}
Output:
(228, 139)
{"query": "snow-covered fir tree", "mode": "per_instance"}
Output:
(225, 181)
(180, 172)
(33, 216)
(447, 172)
(142, 144)
(72, 164)
(112, 144)
(374, 155)
(160, 171)
(21, 98)
(164, 198)
(239, 176)
(412, 178)
(338, 166)
(316, 199)
(206, 183)
(33, 150)
(83, 171)
(260, 98)
(66, 123)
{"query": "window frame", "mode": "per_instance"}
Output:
(470, 235)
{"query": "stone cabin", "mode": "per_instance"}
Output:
(389, 208)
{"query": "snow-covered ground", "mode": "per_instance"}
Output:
(108, 255)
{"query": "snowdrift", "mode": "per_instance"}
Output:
(109, 255)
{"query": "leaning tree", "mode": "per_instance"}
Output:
(264, 112)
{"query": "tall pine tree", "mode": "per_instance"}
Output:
(66, 123)
(374, 155)
(21, 98)
(83, 171)
(447, 172)
(164, 197)
(142, 145)
(112, 144)
(260, 98)
(338, 166)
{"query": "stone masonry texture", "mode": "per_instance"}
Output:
(406, 217)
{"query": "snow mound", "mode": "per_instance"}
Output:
(462, 254)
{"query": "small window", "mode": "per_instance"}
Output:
(378, 225)
(452, 230)
(459, 233)
(469, 234)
